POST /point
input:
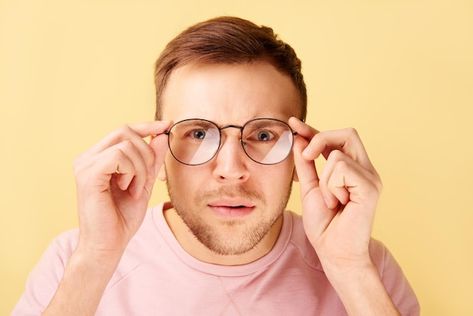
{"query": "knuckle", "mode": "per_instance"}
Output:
(121, 132)
(335, 154)
(378, 183)
(353, 133)
(119, 154)
(125, 129)
(126, 144)
(116, 134)
(376, 191)
(341, 165)
(373, 189)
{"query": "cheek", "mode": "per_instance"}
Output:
(274, 181)
(184, 180)
(188, 182)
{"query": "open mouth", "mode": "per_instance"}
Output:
(232, 209)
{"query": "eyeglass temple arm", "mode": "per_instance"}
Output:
(165, 133)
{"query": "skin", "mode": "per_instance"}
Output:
(338, 204)
(228, 94)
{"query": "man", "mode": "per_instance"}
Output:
(229, 139)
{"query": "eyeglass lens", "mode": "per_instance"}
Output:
(196, 141)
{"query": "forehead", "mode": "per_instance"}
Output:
(229, 93)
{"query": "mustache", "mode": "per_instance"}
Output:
(232, 192)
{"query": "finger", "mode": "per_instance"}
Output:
(345, 180)
(159, 145)
(123, 180)
(332, 195)
(306, 131)
(152, 128)
(139, 130)
(306, 170)
(302, 128)
(139, 172)
(102, 170)
(143, 148)
(362, 193)
(345, 140)
(136, 187)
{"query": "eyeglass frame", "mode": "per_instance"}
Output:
(293, 133)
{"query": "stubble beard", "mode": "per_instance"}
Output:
(249, 234)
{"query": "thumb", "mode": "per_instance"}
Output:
(306, 171)
(159, 145)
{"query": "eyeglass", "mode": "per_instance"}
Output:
(266, 141)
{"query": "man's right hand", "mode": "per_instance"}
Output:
(111, 209)
(112, 206)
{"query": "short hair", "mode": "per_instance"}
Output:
(228, 40)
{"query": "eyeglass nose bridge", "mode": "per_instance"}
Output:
(231, 126)
(220, 129)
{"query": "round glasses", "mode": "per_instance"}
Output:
(266, 141)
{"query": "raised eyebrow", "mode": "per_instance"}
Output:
(197, 123)
(262, 123)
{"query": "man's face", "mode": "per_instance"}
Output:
(206, 196)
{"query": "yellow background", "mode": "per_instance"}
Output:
(400, 72)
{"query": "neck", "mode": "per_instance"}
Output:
(199, 251)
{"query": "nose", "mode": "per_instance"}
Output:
(230, 164)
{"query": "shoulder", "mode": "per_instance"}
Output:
(394, 279)
(384, 260)
(390, 271)
(379, 253)
(62, 246)
(300, 243)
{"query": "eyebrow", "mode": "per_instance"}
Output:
(201, 123)
(283, 119)
(258, 124)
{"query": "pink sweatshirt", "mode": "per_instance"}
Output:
(156, 276)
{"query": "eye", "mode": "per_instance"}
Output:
(264, 136)
(198, 134)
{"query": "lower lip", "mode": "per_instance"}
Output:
(232, 211)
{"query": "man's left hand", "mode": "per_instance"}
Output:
(338, 207)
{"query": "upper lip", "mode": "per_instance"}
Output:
(231, 203)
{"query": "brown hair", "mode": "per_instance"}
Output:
(228, 40)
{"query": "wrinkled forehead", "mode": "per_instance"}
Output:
(229, 93)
